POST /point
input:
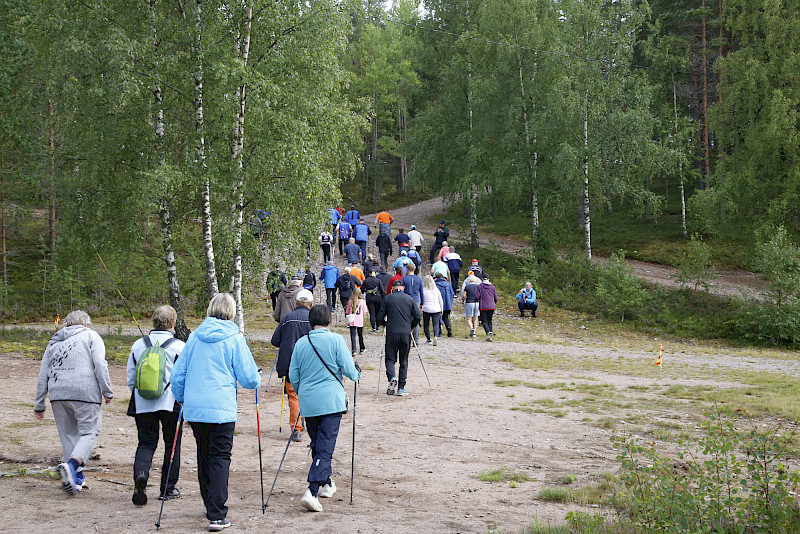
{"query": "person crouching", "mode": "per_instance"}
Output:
(319, 361)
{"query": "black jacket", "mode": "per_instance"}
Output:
(384, 278)
(346, 283)
(372, 286)
(399, 313)
(293, 326)
(384, 243)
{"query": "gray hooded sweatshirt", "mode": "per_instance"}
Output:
(74, 368)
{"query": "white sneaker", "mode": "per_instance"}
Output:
(310, 503)
(327, 490)
(435, 341)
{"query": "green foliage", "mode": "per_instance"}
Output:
(731, 481)
(779, 259)
(620, 293)
(769, 324)
(695, 265)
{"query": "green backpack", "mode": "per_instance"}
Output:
(150, 379)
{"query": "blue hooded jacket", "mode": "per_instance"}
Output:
(204, 378)
(446, 289)
(329, 275)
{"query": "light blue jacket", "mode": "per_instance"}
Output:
(329, 275)
(204, 376)
(319, 392)
(526, 296)
(166, 401)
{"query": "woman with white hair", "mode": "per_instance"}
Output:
(432, 307)
(204, 379)
(74, 374)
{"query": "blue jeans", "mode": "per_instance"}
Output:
(385, 228)
(363, 245)
(323, 431)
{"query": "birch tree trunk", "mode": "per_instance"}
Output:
(243, 49)
(212, 287)
(532, 166)
(473, 188)
(680, 160)
(587, 226)
(704, 59)
(181, 330)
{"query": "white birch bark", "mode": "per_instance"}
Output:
(212, 287)
(473, 187)
(680, 161)
(532, 166)
(243, 49)
(587, 226)
(181, 331)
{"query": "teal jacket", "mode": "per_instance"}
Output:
(319, 392)
(204, 378)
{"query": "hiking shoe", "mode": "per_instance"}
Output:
(392, 386)
(68, 478)
(297, 435)
(361, 351)
(491, 335)
(174, 493)
(310, 503)
(327, 490)
(139, 496)
(80, 481)
(449, 333)
(471, 332)
(488, 337)
(402, 392)
(427, 341)
(218, 524)
(435, 341)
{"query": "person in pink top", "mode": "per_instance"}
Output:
(444, 251)
(357, 308)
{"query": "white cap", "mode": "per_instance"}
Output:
(304, 295)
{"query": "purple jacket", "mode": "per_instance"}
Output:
(487, 296)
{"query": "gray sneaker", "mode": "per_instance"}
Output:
(402, 392)
(392, 387)
(218, 524)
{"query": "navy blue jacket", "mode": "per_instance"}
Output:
(353, 253)
(293, 326)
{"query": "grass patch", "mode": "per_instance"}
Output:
(503, 474)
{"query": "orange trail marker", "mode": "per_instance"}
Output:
(660, 352)
(57, 321)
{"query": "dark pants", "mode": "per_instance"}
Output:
(363, 245)
(330, 294)
(274, 298)
(454, 280)
(385, 260)
(342, 243)
(147, 427)
(373, 305)
(397, 345)
(446, 321)
(436, 317)
(435, 251)
(418, 248)
(323, 431)
(486, 320)
(353, 331)
(343, 299)
(527, 306)
(214, 444)
(326, 252)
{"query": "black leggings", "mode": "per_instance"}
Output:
(353, 331)
(373, 305)
(486, 319)
(436, 329)
(446, 319)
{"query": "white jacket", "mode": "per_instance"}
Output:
(166, 401)
(432, 301)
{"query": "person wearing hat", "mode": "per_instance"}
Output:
(400, 314)
(414, 256)
(384, 244)
(441, 235)
(288, 297)
(415, 238)
(292, 327)
(402, 261)
(384, 221)
(477, 270)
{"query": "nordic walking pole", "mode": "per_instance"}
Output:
(380, 361)
(283, 394)
(353, 452)
(125, 302)
(260, 464)
(413, 341)
(169, 467)
(271, 370)
(288, 442)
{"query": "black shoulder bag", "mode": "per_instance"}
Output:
(346, 398)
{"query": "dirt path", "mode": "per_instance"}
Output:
(729, 283)
(418, 458)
